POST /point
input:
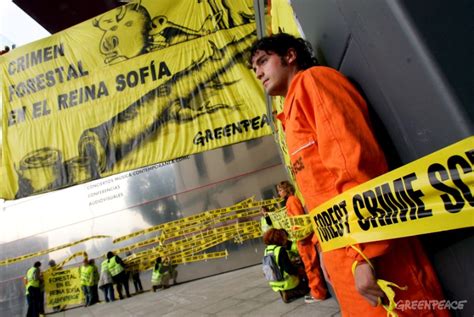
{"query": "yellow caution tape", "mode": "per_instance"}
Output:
(195, 231)
(73, 256)
(175, 260)
(197, 219)
(192, 245)
(434, 193)
(43, 252)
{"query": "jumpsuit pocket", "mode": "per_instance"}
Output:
(311, 174)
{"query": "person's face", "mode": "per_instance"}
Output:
(282, 192)
(272, 72)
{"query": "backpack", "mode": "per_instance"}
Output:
(270, 268)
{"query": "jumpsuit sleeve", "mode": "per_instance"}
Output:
(294, 206)
(346, 143)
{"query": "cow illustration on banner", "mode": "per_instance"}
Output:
(143, 83)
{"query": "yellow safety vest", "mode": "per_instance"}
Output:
(104, 266)
(289, 281)
(30, 279)
(157, 274)
(114, 267)
(87, 275)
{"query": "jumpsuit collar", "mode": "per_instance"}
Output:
(290, 96)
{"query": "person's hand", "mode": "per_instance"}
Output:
(366, 283)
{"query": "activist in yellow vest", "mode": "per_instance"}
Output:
(288, 278)
(87, 275)
(157, 274)
(117, 271)
(32, 278)
(289, 281)
(33, 284)
(114, 267)
(163, 271)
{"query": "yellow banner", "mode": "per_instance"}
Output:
(114, 92)
(434, 193)
(63, 287)
(283, 18)
(280, 219)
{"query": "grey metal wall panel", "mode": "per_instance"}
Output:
(399, 65)
(447, 30)
(408, 76)
(325, 28)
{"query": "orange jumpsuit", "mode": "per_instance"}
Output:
(333, 149)
(308, 253)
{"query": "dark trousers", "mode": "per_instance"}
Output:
(33, 298)
(137, 283)
(119, 280)
(41, 302)
(95, 294)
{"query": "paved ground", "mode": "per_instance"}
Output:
(239, 293)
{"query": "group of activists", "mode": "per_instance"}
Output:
(113, 272)
(332, 149)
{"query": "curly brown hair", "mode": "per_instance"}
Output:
(280, 43)
(275, 237)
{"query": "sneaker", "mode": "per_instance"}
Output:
(309, 299)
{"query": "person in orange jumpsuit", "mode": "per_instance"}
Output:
(333, 149)
(306, 248)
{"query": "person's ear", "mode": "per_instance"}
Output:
(290, 56)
